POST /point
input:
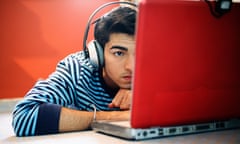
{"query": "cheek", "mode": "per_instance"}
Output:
(111, 67)
(109, 60)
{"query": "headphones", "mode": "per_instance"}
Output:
(220, 7)
(93, 50)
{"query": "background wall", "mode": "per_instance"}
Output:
(35, 35)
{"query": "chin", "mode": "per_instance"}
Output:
(129, 86)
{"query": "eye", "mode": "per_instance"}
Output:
(118, 53)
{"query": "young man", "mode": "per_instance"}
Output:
(63, 102)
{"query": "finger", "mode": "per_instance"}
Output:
(126, 103)
(111, 105)
(118, 100)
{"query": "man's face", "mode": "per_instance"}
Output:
(119, 55)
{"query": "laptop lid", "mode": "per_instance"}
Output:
(187, 64)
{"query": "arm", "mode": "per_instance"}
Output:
(39, 112)
(73, 120)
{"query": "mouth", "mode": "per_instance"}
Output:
(127, 78)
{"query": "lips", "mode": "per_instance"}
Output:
(127, 78)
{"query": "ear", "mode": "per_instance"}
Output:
(96, 54)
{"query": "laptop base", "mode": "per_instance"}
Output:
(123, 130)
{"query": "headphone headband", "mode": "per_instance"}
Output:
(94, 13)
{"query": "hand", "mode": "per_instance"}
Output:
(122, 99)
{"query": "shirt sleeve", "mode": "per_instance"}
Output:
(48, 119)
(39, 112)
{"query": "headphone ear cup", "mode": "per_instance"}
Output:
(96, 55)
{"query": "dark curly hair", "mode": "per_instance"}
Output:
(119, 20)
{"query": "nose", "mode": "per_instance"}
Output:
(129, 64)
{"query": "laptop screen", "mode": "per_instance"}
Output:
(187, 64)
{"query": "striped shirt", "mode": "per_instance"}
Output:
(74, 84)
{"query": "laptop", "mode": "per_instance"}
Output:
(187, 71)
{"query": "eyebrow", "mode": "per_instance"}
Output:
(119, 47)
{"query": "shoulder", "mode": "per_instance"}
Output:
(78, 56)
(76, 60)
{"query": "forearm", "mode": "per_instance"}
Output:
(75, 120)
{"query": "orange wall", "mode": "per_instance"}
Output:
(35, 35)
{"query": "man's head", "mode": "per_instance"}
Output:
(119, 20)
(115, 32)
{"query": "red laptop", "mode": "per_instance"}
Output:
(187, 71)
